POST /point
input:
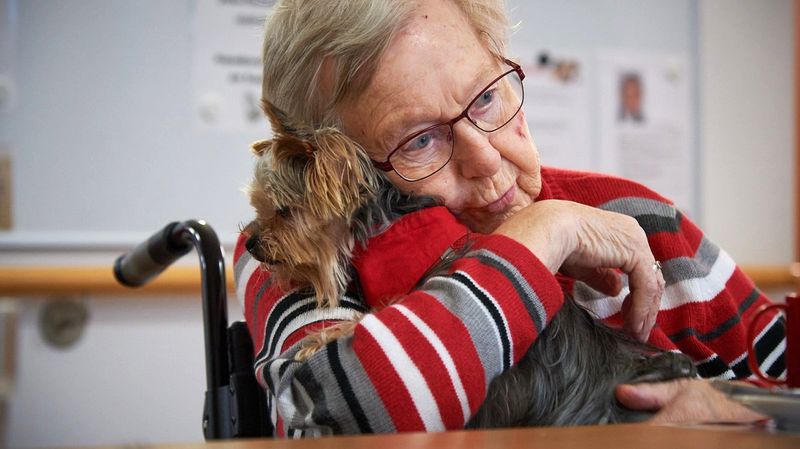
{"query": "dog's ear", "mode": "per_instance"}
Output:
(283, 125)
(340, 178)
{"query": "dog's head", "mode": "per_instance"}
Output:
(307, 189)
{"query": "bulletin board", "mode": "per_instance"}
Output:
(116, 132)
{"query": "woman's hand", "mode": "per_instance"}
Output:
(588, 244)
(685, 401)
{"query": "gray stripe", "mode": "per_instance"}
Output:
(637, 206)
(332, 402)
(524, 290)
(697, 267)
(300, 379)
(458, 299)
(260, 294)
(366, 394)
(239, 267)
(674, 270)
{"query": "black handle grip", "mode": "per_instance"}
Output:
(151, 257)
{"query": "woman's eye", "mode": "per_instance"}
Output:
(421, 142)
(485, 98)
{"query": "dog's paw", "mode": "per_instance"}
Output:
(663, 367)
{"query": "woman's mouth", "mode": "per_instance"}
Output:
(503, 202)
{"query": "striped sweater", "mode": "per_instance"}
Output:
(421, 358)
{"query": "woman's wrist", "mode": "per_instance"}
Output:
(545, 230)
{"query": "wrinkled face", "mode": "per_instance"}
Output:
(429, 73)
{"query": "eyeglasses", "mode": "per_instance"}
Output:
(424, 153)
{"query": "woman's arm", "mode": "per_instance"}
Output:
(423, 363)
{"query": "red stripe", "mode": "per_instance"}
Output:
(691, 234)
(543, 283)
(457, 340)
(304, 331)
(387, 383)
(593, 189)
(239, 249)
(667, 246)
(427, 360)
(254, 283)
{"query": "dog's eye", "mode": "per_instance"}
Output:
(283, 212)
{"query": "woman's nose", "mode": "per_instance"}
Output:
(473, 152)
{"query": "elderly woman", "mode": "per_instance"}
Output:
(412, 83)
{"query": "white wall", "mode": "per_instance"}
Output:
(137, 374)
(747, 127)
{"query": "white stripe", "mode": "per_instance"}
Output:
(773, 356)
(241, 283)
(273, 411)
(273, 371)
(408, 372)
(755, 342)
(680, 293)
(338, 314)
(444, 356)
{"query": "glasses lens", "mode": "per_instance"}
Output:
(424, 153)
(498, 103)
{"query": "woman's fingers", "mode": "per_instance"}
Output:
(604, 280)
(640, 312)
(684, 401)
(649, 397)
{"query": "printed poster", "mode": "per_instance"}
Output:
(646, 121)
(227, 64)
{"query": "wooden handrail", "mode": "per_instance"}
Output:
(94, 280)
(177, 280)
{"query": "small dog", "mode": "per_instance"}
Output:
(316, 196)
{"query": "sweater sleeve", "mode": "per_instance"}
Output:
(421, 364)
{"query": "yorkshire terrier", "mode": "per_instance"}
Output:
(316, 196)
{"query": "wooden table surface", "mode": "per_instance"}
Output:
(621, 436)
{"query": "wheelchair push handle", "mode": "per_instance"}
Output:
(148, 259)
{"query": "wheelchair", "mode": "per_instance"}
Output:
(235, 405)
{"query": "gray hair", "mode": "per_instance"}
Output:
(319, 52)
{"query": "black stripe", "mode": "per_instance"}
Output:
(347, 388)
(270, 347)
(537, 321)
(712, 368)
(281, 306)
(496, 317)
(768, 342)
(778, 366)
(320, 414)
(748, 301)
(740, 369)
(652, 223)
(283, 369)
(285, 322)
(722, 328)
(265, 377)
